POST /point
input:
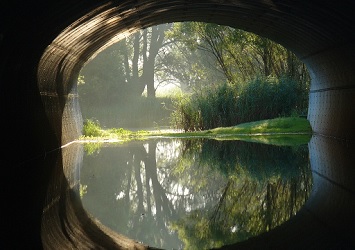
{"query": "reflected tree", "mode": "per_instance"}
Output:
(195, 194)
(248, 203)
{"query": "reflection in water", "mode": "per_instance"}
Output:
(194, 193)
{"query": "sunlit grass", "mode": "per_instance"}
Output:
(278, 131)
(93, 132)
(286, 125)
(277, 125)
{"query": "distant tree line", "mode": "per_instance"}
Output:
(257, 78)
(227, 76)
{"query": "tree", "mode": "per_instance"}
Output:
(239, 55)
(187, 63)
(126, 67)
(139, 59)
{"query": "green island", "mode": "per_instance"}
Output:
(278, 131)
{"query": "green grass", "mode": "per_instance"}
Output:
(278, 131)
(93, 131)
(272, 126)
(273, 139)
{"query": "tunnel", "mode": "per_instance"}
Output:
(43, 46)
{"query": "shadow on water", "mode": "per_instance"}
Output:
(194, 193)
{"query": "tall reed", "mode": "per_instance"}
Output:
(225, 105)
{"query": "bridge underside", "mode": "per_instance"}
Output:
(43, 46)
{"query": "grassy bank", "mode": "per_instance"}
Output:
(278, 131)
(272, 126)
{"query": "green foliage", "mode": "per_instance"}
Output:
(267, 98)
(232, 195)
(266, 186)
(92, 148)
(264, 80)
(92, 128)
(194, 55)
(238, 54)
(120, 131)
(126, 134)
(271, 161)
(276, 125)
(83, 190)
(224, 105)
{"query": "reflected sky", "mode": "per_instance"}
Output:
(194, 193)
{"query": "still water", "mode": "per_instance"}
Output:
(193, 193)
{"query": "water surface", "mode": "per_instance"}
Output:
(194, 193)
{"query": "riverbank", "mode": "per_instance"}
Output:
(278, 131)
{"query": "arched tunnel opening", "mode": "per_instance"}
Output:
(44, 46)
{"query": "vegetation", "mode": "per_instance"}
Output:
(227, 76)
(82, 190)
(207, 193)
(284, 131)
(233, 55)
(278, 131)
(264, 186)
(224, 105)
(125, 70)
(92, 130)
(285, 125)
(236, 88)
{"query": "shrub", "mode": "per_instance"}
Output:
(223, 105)
(267, 98)
(92, 128)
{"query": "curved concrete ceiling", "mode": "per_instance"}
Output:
(43, 47)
